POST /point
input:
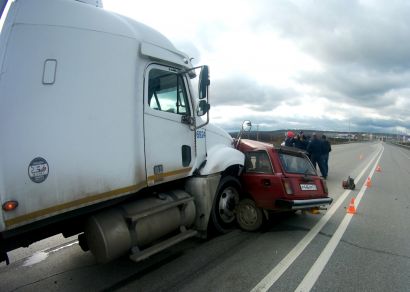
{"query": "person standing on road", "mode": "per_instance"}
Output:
(300, 141)
(315, 151)
(326, 148)
(289, 142)
(296, 142)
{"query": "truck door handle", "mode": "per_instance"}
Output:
(187, 120)
(266, 182)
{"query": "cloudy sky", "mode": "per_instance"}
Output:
(294, 64)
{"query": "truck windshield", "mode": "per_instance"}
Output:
(296, 164)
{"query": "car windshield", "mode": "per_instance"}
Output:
(296, 164)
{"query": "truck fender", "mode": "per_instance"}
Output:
(220, 157)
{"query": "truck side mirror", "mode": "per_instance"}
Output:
(203, 108)
(203, 82)
(246, 126)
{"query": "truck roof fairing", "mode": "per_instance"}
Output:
(77, 15)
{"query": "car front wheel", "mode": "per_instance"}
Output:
(248, 215)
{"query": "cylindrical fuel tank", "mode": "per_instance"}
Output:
(112, 233)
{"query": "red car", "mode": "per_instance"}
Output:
(277, 179)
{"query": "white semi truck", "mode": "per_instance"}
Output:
(101, 135)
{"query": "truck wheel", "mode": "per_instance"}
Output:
(226, 199)
(249, 217)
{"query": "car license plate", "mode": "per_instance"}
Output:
(308, 187)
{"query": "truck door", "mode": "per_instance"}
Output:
(169, 135)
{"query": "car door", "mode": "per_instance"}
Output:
(168, 130)
(259, 180)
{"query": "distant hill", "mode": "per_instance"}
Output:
(276, 137)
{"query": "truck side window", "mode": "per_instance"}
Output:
(166, 92)
(257, 161)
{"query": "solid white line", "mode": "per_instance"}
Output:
(285, 263)
(63, 246)
(311, 277)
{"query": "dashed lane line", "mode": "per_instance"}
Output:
(285, 263)
(311, 277)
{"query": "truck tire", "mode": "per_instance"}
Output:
(225, 202)
(249, 216)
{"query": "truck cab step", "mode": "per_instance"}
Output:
(146, 253)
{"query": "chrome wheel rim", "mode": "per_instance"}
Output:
(248, 215)
(227, 202)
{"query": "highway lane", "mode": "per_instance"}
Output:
(374, 253)
(373, 248)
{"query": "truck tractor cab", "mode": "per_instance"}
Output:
(104, 135)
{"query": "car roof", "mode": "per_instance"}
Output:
(252, 145)
(249, 145)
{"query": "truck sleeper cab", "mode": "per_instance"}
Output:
(102, 134)
(279, 180)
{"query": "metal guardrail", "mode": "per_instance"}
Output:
(400, 145)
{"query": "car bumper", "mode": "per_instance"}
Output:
(303, 204)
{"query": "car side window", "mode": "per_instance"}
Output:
(258, 161)
(166, 92)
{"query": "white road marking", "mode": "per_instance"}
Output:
(41, 255)
(35, 258)
(284, 264)
(311, 277)
(63, 246)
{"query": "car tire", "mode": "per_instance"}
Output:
(224, 205)
(249, 216)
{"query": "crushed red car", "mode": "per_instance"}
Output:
(277, 179)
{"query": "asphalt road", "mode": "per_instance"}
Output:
(367, 251)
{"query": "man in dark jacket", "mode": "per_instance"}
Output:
(326, 148)
(315, 150)
(289, 142)
(300, 141)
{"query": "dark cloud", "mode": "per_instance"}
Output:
(374, 123)
(358, 124)
(356, 84)
(362, 46)
(241, 91)
(373, 34)
(265, 123)
(364, 49)
(294, 122)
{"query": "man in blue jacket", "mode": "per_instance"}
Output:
(315, 149)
